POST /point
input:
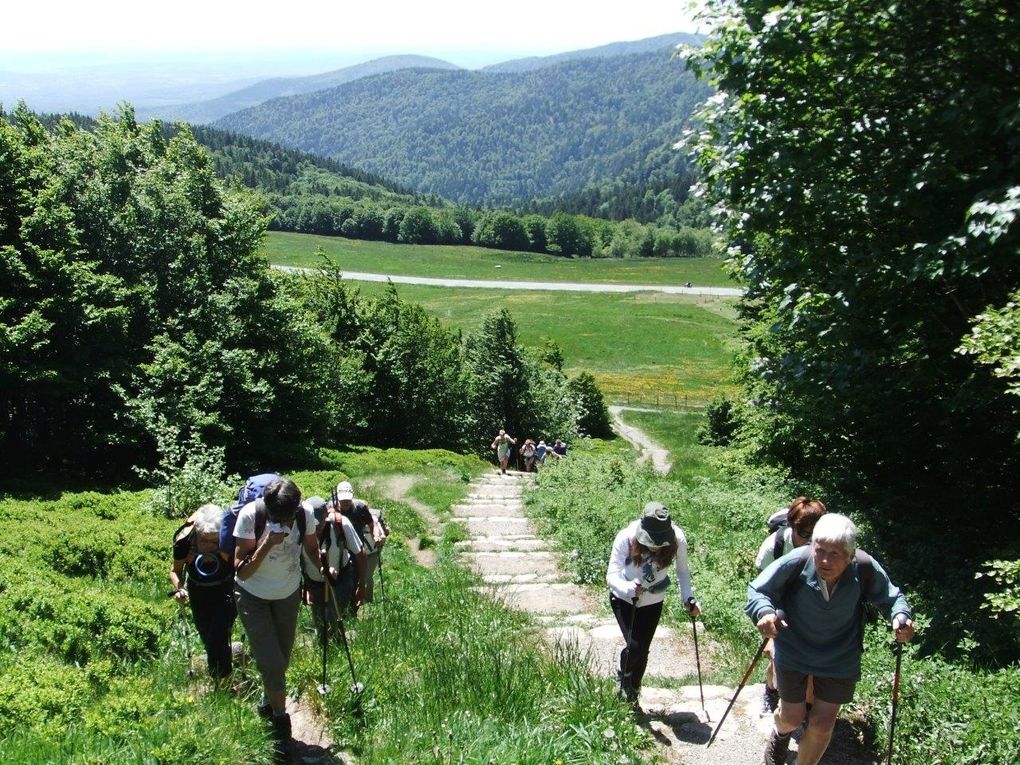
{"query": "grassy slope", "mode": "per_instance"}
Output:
(636, 345)
(93, 669)
(461, 262)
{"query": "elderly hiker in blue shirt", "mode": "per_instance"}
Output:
(822, 589)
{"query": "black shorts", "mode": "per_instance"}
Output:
(792, 687)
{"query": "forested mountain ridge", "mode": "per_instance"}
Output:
(494, 138)
(202, 112)
(647, 45)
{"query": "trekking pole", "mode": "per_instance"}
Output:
(691, 602)
(780, 616)
(382, 579)
(897, 648)
(628, 638)
(324, 688)
(356, 687)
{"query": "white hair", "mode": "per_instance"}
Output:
(836, 529)
(208, 519)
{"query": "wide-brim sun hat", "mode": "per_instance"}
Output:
(656, 526)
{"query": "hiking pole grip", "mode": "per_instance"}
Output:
(780, 616)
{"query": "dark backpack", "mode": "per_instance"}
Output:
(252, 490)
(361, 518)
(778, 525)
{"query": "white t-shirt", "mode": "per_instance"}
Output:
(279, 573)
(339, 553)
(766, 553)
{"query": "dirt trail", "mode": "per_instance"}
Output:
(648, 448)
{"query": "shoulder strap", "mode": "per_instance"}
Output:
(261, 514)
(779, 544)
(866, 574)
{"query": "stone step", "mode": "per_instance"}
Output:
(671, 655)
(514, 562)
(484, 509)
(493, 496)
(554, 598)
(503, 544)
(533, 578)
(498, 526)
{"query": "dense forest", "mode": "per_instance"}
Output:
(866, 162)
(496, 139)
(142, 328)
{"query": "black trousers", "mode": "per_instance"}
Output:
(638, 626)
(214, 613)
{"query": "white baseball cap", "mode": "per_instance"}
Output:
(344, 490)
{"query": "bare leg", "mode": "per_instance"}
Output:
(789, 716)
(816, 738)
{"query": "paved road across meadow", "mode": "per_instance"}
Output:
(495, 284)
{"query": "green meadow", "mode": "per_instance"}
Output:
(462, 262)
(639, 346)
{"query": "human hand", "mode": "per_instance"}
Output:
(903, 629)
(693, 608)
(770, 624)
(181, 596)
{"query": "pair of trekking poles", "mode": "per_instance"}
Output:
(897, 648)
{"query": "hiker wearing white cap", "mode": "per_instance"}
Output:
(371, 529)
(638, 577)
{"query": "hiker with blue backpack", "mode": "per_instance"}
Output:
(270, 534)
(821, 589)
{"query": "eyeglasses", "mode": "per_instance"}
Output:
(804, 533)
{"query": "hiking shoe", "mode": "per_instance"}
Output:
(265, 711)
(769, 700)
(776, 748)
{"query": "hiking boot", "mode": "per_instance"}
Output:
(769, 700)
(776, 748)
(282, 737)
(265, 711)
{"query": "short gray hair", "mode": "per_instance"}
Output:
(836, 529)
(208, 519)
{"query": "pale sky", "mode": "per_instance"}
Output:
(445, 28)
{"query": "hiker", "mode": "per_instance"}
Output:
(638, 577)
(540, 451)
(270, 534)
(202, 575)
(793, 528)
(372, 532)
(560, 448)
(822, 589)
(528, 452)
(502, 444)
(343, 559)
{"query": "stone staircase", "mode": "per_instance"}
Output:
(523, 570)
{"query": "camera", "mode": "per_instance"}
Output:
(277, 528)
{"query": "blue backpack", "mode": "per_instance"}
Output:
(252, 490)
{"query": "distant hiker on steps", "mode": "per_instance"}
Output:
(638, 577)
(822, 588)
(502, 444)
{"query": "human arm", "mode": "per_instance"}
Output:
(683, 574)
(177, 580)
(889, 600)
(766, 553)
(615, 572)
(765, 592)
(248, 551)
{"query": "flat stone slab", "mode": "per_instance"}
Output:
(547, 578)
(498, 526)
(514, 563)
(485, 509)
(671, 656)
(503, 544)
(559, 598)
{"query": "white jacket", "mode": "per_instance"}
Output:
(623, 576)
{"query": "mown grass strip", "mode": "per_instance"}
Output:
(467, 262)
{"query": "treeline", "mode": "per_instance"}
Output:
(140, 326)
(494, 139)
(560, 234)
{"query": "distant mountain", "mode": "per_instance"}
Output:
(490, 137)
(209, 111)
(647, 45)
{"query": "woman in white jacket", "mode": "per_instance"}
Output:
(638, 577)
